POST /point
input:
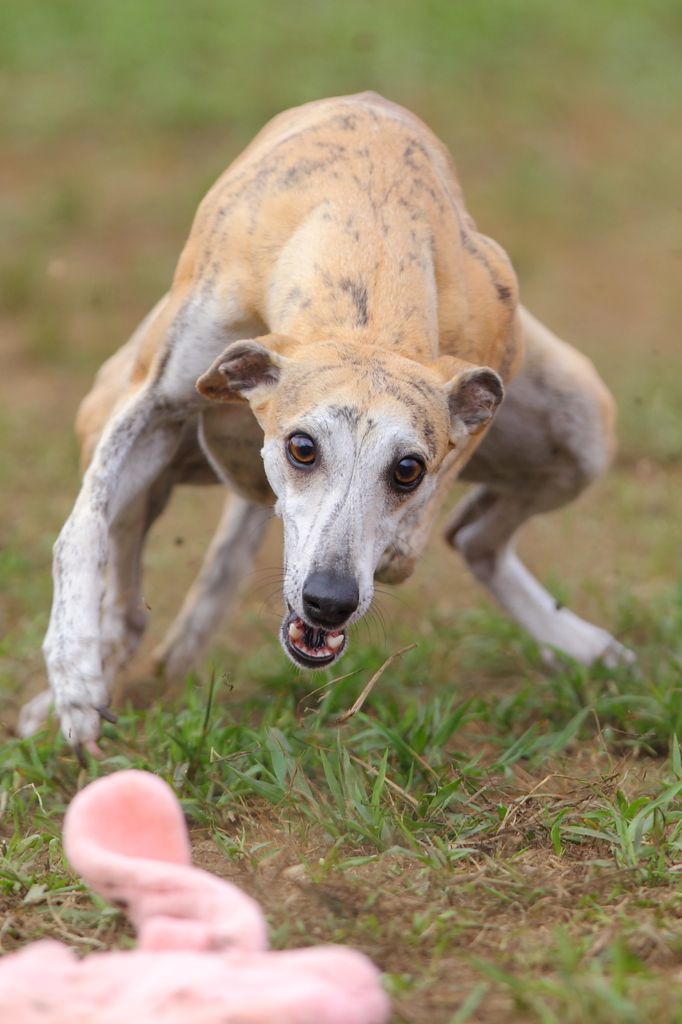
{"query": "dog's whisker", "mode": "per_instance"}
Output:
(368, 623)
(419, 555)
(270, 587)
(262, 524)
(269, 581)
(379, 624)
(274, 595)
(364, 624)
(272, 578)
(393, 595)
(379, 609)
(279, 569)
(274, 614)
(377, 615)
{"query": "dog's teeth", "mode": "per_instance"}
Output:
(294, 631)
(334, 641)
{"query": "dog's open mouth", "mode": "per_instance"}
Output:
(309, 646)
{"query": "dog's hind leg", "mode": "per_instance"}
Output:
(227, 563)
(552, 437)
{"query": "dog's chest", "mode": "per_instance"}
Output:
(232, 441)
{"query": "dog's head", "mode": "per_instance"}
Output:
(354, 439)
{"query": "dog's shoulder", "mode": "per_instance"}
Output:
(343, 145)
(112, 382)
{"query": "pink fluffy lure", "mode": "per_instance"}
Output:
(202, 953)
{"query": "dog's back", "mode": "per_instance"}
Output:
(344, 219)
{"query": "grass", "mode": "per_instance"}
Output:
(504, 841)
(495, 856)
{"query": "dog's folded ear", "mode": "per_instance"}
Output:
(243, 367)
(473, 397)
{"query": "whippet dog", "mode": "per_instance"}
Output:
(336, 343)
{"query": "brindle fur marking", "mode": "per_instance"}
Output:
(340, 240)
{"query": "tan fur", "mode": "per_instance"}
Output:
(338, 246)
(371, 187)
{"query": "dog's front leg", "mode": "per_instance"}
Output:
(137, 444)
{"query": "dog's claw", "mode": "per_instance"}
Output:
(106, 714)
(80, 755)
(93, 750)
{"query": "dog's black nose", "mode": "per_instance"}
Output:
(329, 600)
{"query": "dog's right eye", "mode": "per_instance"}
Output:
(301, 449)
(407, 474)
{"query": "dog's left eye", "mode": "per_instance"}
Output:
(408, 473)
(301, 449)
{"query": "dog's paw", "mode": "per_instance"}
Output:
(81, 693)
(81, 725)
(615, 655)
(612, 655)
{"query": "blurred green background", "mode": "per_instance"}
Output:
(565, 120)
